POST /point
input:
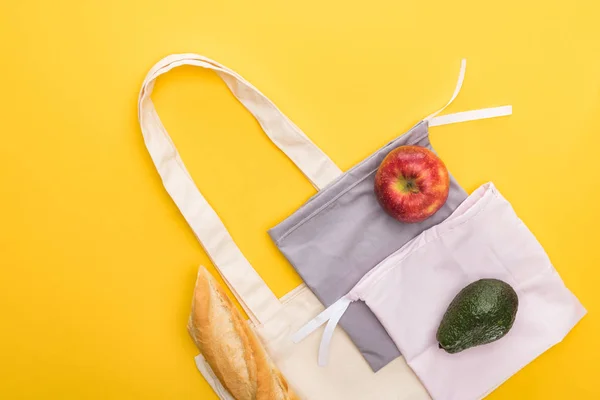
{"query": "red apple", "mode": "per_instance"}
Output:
(412, 183)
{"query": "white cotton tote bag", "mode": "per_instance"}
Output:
(348, 376)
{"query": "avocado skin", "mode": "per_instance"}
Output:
(481, 313)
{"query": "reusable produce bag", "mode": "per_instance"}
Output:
(341, 234)
(410, 291)
(348, 376)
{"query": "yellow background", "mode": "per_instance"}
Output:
(97, 265)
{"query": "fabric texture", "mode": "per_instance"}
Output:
(348, 376)
(342, 233)
(410, 291)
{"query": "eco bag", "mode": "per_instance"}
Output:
(349, 377)
(273, 319)
(341, 233)
(410, 291)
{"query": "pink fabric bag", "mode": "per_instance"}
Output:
(410, 291)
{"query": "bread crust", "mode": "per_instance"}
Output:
(230, 346)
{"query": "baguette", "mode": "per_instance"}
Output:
(230, 347)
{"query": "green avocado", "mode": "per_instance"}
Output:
(481, 313)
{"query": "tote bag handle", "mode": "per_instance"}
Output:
(250, 290)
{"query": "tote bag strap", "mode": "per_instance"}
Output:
(464, 116)
(250, 290)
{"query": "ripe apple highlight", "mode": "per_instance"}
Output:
(412, 183)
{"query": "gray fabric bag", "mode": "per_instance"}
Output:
(342, 232)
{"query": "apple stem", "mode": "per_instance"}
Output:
(411, 187)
